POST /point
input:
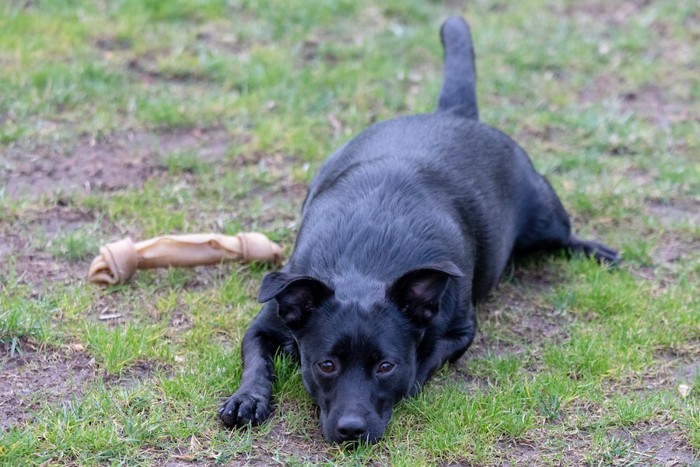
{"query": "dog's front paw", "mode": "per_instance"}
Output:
(244, 408)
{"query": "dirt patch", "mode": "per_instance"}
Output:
(34, 379)
(90, 166)
(687, 371)
(57, 220)
(31, 244)
(673, 248)
(115, 162)
(42, 269)
(514, 319)
(13, 242)
(675, 210)
(136, 374)
(519, 453)
(21, 233)
(293, 442)
(180, 322)
(665, 448)
(639, 176)
(676, 366)
(612, 13)
(599, 88)
(642, 444)
(650, 102)
(538, 449)
(309, 447)
(655, 445)
(668, 371)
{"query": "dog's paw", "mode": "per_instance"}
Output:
(600, 251)
(606, 255)
(243, 409)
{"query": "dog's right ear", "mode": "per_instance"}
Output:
(418, 292)
(297, 296)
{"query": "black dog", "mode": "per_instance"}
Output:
(403, 230)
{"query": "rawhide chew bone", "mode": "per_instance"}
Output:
(118, 261)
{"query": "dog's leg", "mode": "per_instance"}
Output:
(448, 347)
(458, 92)
(548, 227)
(600, 251)
(251, 403)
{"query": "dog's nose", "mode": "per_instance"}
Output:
(352, 427)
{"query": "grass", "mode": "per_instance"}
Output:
(116, 349)
(22, 318)
(76, 245)
(213, 115)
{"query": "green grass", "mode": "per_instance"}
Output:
(228, 108)
(116, 349)
(22, 317)
(76, 245)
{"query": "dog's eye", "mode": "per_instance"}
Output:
(384, 368)
(327, 366)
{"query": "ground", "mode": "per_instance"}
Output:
(138, 118)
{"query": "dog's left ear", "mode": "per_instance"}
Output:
(297, 296)
(418, 292)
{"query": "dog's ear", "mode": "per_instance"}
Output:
(297, 296)
(418, 292)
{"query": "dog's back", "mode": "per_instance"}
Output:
(436, 186)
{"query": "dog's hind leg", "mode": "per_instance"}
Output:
(447, 347)
(448, 342)
(545, 226)
(600, 251)
(458, 94)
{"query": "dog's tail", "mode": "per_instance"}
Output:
(458, 92)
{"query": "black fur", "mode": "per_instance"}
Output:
(403, 230)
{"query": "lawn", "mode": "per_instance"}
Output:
(145, 117)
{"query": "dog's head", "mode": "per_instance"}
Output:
(358, 345)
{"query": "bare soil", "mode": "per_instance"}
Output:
(516, 310)
(37, 378)
(656, 445)
(612, 13)
(115, 162)
(672, 248)
(648, 445)
(676, 210)
(535, 449)
(28, 240)
(309, 446)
